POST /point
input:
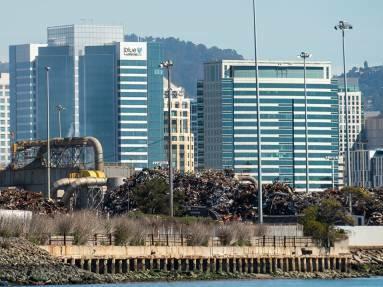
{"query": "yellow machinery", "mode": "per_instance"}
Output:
(87, 173)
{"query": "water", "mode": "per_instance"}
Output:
(365, 282)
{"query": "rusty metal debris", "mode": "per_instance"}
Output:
(221, 193)
(218, 193)
(18, 199)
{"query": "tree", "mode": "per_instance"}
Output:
(153, 197)
(319, 221)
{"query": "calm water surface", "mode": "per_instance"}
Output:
(368, 282)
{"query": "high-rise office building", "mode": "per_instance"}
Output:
(61, 84)
(230, 120)
(373, 128)
(182, 136)
(76, 37)
(28, 79)
(199, 135)
(366, 167)
(355, 121)
(23, 79)
(4, 120)
(121, 101)
(194, 127)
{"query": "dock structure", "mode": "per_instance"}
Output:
(258, 265)
(229, 259)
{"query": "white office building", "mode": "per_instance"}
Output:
(4, 120)
(355, 122)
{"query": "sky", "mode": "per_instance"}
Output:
(285, 27)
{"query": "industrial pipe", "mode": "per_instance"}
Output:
(65, 142)
(98, 152)
(61, 183)
(82, 181)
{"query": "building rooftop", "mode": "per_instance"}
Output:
(270, 62)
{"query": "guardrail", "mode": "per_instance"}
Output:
(183, 239)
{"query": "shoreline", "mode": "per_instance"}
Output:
(23, 263)
(72, 275)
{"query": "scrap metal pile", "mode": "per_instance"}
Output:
(17, 199)
(216, 190)
(222, 193)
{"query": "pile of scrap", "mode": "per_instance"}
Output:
(220, 192)
(18, 199)
(119, 200)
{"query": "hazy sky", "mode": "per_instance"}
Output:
(285, 27)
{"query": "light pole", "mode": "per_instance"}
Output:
(47, 69)
(167, 65)
(332, 159)
(305, 56)
(343, 26)
(259, 150)
(60, 108)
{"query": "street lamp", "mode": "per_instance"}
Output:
(305, 56)
(60, 108)
(332, 159)
(167, 65)
(343, 26)
(259, 150)
(47, 69)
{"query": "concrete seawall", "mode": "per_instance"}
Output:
(266, 260)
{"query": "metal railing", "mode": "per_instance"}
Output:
(180, 239)
(264, 241)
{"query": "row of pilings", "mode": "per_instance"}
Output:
(259, 265)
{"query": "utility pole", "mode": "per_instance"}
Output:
(60, 108)
(47, 69)
(343, 26)
(167, 65)
(259, 150)
(305, 56)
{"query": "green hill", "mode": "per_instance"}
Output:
(371, 85)
(188, 59)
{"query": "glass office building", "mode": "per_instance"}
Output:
(76, 37)
(199, 134)
(28, 84)
(61, 83)
(156, 154)
(230, 121)
(22, 70)
(121, 101)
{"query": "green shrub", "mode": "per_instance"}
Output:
(85, 225)
(40, 228)
(12, 227)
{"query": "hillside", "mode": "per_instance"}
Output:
(371, 85)
(188, 59)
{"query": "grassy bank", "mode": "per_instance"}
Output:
(130, 229)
